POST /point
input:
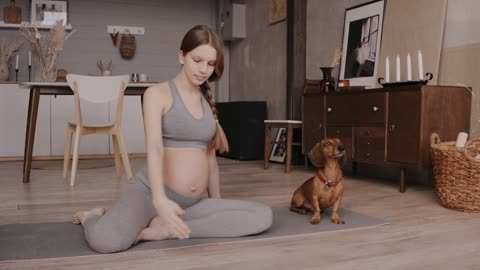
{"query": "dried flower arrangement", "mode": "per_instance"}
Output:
(45, 49)
(8, 50)
(106, 67)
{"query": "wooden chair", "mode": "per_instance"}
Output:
(96, 89)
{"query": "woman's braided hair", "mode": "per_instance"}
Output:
(201, 35)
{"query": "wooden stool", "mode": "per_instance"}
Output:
(289, 125)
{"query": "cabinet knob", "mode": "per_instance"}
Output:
(329, 109)
(338, 131)
(375, 108)
(368, 154)
(319, 126)
(391, 127)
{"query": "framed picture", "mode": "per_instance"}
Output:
(362, 34)
(279, 149)
(47, 13)
(278, 11)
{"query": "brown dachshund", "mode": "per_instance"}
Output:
(326, 188)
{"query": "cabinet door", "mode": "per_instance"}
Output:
(13, 120)
(313, 128)
(403, 135)
(345, 135)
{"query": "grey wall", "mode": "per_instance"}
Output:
(258, 62)
(165, 24)
(324, 33)
(460, 60)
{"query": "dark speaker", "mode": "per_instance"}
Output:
(243, 124)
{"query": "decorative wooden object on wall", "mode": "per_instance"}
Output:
(128, 46)
(278, 11)
(12, 14)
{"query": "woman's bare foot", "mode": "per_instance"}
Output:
(154, 232)
(80, 216)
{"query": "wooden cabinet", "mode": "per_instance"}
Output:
(404, 115)
(388, 125)
(13, 120)
(313, 115)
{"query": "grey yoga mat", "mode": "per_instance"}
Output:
(64, 239)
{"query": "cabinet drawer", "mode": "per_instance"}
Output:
(370, 108)
(345, 135)
(369, 144)
(340, 109)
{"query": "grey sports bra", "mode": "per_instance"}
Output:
(181, 129)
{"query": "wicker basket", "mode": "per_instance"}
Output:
(457, 174)
(128, 46)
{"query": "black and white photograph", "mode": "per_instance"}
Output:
(361, 43)
(47, 13)
(279, 149)
(361, 50)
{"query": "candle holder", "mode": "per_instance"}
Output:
(16, 74)
(428, 75)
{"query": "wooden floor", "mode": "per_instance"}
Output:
(421, 235)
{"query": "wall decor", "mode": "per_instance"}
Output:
(278, 11)
(12, 13)
(279, 149)
(362, 36)
(47, 13)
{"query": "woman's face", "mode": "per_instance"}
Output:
(199, 63)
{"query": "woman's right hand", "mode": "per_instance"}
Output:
(169, 213)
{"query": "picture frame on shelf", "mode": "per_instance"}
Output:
(47, 13)
(279, 149)
(362, 35)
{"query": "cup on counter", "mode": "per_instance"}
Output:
(134, 77)
(142, 77)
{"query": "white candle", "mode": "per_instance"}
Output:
(387, 70)
(409, 67)
(420, 65)
(16, 63)
(398, 68)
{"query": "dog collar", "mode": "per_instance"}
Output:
(328, 183)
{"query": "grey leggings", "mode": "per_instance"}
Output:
(119, 228)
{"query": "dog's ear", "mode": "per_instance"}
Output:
(316, 156)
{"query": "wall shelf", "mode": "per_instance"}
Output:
(29, 25)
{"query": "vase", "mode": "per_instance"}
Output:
(327, 84)
(42, 74)
(4, 71)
